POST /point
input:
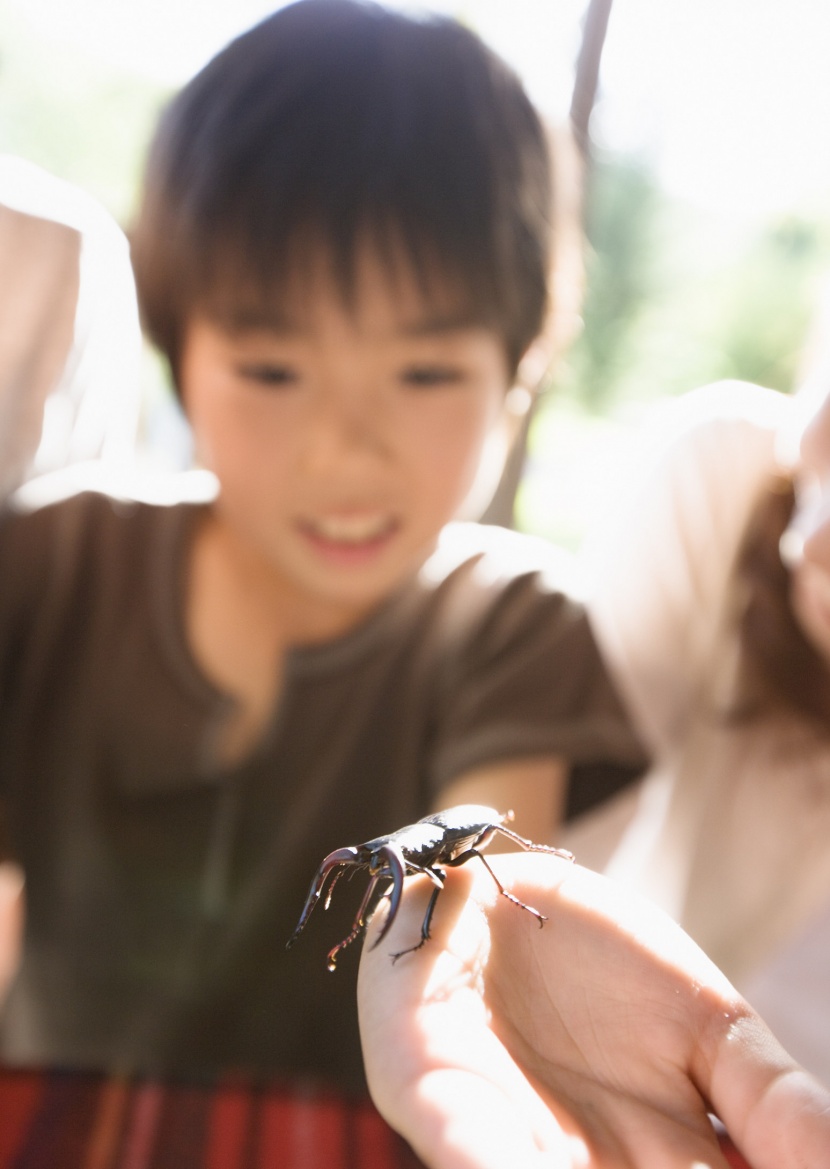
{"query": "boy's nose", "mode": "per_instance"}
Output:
(353, 429)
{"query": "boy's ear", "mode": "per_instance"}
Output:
(534, 366)
(518, 407)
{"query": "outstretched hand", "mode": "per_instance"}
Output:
(603, 1039)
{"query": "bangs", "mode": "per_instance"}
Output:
(243, 280)
(333, 124)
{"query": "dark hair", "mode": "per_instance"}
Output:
(780, 668)
(334, 121)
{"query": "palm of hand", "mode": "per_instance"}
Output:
(596, 1042)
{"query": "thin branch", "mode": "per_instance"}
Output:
(594, 29)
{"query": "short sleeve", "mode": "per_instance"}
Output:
(658, 563)
(523, 676)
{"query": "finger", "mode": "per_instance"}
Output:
(777, 1114)
(459, 1120)
(634, 1134)
(435, 1069)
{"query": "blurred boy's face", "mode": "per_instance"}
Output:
(343, 438)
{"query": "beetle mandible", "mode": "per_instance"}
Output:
(449, 838)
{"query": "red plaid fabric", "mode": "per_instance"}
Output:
(78, 1120)
(75, 1120)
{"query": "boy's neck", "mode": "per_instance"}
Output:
(242, 618)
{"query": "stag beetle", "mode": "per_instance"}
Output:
(448, 838)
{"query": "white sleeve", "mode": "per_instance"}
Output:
(659, 560)
(39, 261)
(70, 342)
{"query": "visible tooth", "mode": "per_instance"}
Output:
(351, 529)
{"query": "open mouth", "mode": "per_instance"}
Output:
(350, 536)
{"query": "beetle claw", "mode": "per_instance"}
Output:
(341, 856)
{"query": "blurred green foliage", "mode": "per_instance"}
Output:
(766, 301)
(676, 297)
(622, 207)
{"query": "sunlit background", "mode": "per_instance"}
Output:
(708, 206)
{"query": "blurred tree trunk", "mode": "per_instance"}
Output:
(586, 82)
(502, 507)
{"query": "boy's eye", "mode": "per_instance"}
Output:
(266, 373)
(431, 375)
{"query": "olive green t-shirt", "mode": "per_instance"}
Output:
(162, 886)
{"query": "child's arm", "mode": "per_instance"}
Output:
(523, 698)
(533, 789)
(603, 1039)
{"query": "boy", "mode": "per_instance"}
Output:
(343, 251)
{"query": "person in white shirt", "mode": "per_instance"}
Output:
(711, 602)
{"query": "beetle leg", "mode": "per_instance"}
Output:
(437, 877)
(338, 873)
(470, 853)
(359, 922)
(530, 845)
(341, 856)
